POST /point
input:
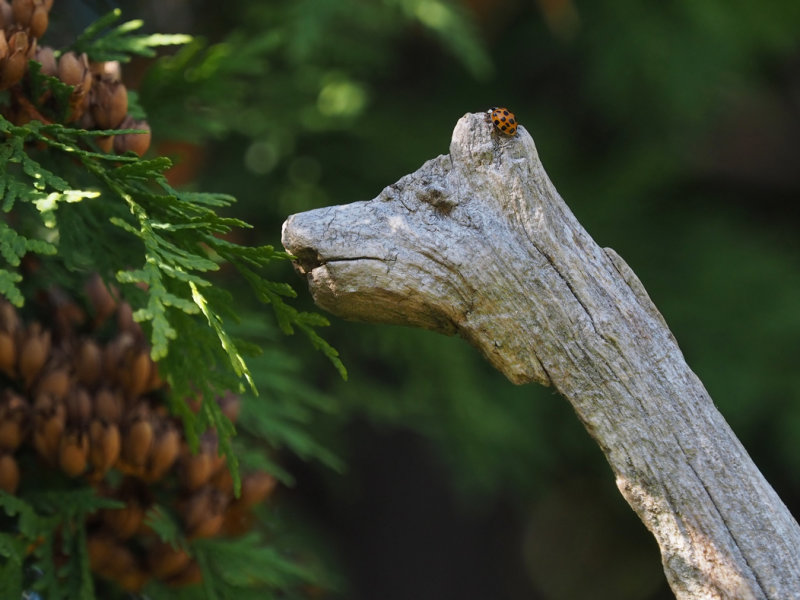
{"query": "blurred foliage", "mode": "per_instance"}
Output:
(666, 127)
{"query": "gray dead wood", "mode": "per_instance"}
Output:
(479, 243)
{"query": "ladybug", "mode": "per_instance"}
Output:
(503, 119)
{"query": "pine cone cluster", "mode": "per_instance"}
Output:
(87, 409)
(22, 23)
(99, 99)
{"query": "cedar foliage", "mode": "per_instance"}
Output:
(71, 209)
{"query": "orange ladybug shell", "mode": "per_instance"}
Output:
(504, 120)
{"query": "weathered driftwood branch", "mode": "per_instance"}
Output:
(479, 243)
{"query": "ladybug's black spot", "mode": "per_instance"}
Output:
(504, 127)
(503, 119)
(511, 120)
(505, 112)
